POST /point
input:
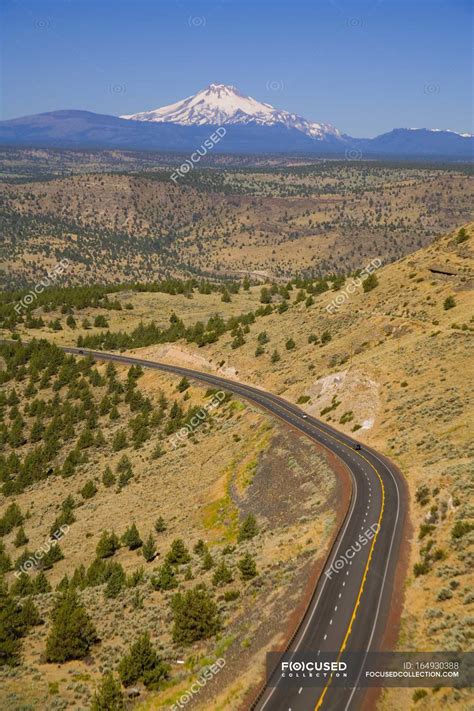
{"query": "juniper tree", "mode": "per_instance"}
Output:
(248, 529)
(107, 545)
(195, 616)
(89, 490)
(160, 524)
(166, 578)
(109, 695)
(72, 633)
(21, 539)
(142, 663)
(178, 553)
(108, 479)
(131, 538)
(247, 567)
(149, 549)
(222, 575)
(207, 561)
(116, 581)
(12, 628)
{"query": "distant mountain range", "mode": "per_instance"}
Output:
(251, 127)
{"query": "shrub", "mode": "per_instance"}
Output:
(460, 529)
(419, 694)
(421, 568)
(370, 283)
(231, 595)
(461, 236)
(449, 303)
(422, 494)
(183, 385)
(444, 594)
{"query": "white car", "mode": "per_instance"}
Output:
(305, 417)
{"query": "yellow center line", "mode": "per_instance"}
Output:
(361, 589)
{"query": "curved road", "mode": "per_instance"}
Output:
(349, 608)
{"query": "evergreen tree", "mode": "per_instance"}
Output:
(89, 490)
(72, 633)
(195, 616)
(142, 663)
(107, 545)
(21, 539)
(248, 529)
(22, 586)
(109, 695)
(131, 538)
(178, 553)
(247, 567)
(160, 525)
(29, 614)
(183, 385)
(53, 555)
(222, 575)
(149, 549)
(12, 628)
(108, 479)
(115, 582)
(119, 441)
(166, 579)
(200, 548)
(207, 561)
(41, 584)
(5, 560)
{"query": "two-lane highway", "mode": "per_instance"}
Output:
(350, 606)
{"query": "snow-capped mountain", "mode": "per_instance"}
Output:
(221, 104)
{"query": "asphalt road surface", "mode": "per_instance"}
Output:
(350, 605)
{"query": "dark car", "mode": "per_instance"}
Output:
(357, 446)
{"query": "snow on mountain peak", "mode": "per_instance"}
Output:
(220, 104)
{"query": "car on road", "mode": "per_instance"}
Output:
(305, 417)
(357, 446)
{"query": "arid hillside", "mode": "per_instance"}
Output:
(325, 218)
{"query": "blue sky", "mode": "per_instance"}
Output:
(365, 66)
